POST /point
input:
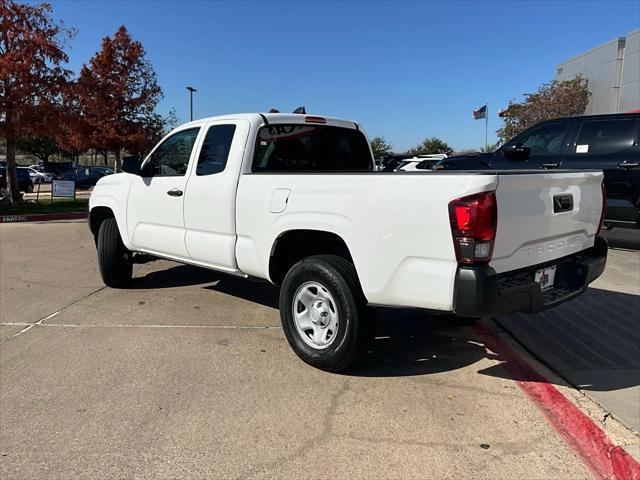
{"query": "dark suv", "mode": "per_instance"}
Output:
(605, 142)
(25, 184)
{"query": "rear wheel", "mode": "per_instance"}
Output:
(324, 313)
(114, 258)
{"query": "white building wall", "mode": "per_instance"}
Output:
(613, 72)
(630, 82)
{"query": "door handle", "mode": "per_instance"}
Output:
(627, 164)
(550, 165)
(175, 192)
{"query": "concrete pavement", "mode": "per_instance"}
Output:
(188, 375)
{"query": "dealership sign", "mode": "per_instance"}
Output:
(63, 188)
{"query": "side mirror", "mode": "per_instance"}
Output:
(131, 165)
(516, 152)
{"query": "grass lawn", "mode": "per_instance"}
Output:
(32, 208)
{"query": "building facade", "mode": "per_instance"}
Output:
(613, 72)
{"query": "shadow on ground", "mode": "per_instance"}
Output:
(623, 238)
(407, 342)
(593, 341)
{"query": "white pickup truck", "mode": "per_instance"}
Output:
(294, 199)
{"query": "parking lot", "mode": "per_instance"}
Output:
(188, 375)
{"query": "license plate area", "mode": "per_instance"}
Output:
(545, 277)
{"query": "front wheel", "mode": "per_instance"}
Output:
(324, 313)
(114, 259)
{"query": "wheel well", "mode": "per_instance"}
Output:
(97, 216)
(294, 245)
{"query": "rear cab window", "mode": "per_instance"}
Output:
(311, 148)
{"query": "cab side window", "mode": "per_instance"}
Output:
(545, 140)
(215, 149)
(605, 136)
(171, 158)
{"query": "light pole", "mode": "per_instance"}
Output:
(191, 90)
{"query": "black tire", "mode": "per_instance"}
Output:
(114, 258)
(354, 328)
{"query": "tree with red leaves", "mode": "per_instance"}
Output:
(118, 94)
(32, 76)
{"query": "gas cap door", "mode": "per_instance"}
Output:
(279, 200)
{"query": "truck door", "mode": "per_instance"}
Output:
(210, 197)
(155, 205)
(611, 145)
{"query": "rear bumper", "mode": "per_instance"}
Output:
(481, 292)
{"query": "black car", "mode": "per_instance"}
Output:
(85, 177)
(605, 142)
(25, 184)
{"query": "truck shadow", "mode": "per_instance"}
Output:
(255, 291)
(414, 342)
(592, 342)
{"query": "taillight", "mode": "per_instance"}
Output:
(604, 207)
(473, 225)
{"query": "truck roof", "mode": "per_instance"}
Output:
(280, 118)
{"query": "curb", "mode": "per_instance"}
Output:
(605, 459)
(43, 217)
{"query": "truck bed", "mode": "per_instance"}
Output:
(397, 226)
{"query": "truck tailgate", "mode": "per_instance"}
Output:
(545, 216)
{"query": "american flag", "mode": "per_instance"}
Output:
(480, 113)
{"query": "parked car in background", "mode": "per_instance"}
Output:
(57, 169)
(294, 199)
(25, 184)
(106, 170)
(86, 177)
(421, 162)
(604, 142)
(413, 164)
(38, 176)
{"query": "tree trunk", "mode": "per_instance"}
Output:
(117, 163)
(12, 174)
(105, 157)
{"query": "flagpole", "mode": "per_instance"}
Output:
(486, 126)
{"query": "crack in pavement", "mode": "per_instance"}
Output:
(313, 442)
(40, 322)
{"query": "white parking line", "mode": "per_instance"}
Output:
(77, 325)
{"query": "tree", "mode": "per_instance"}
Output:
(431, 145)
(380, 147)
(40, 146)
(552, 100)
(118, 93)
(490, 148)
(31, 75)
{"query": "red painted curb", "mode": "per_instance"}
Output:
(44, 217)
(588, 441)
